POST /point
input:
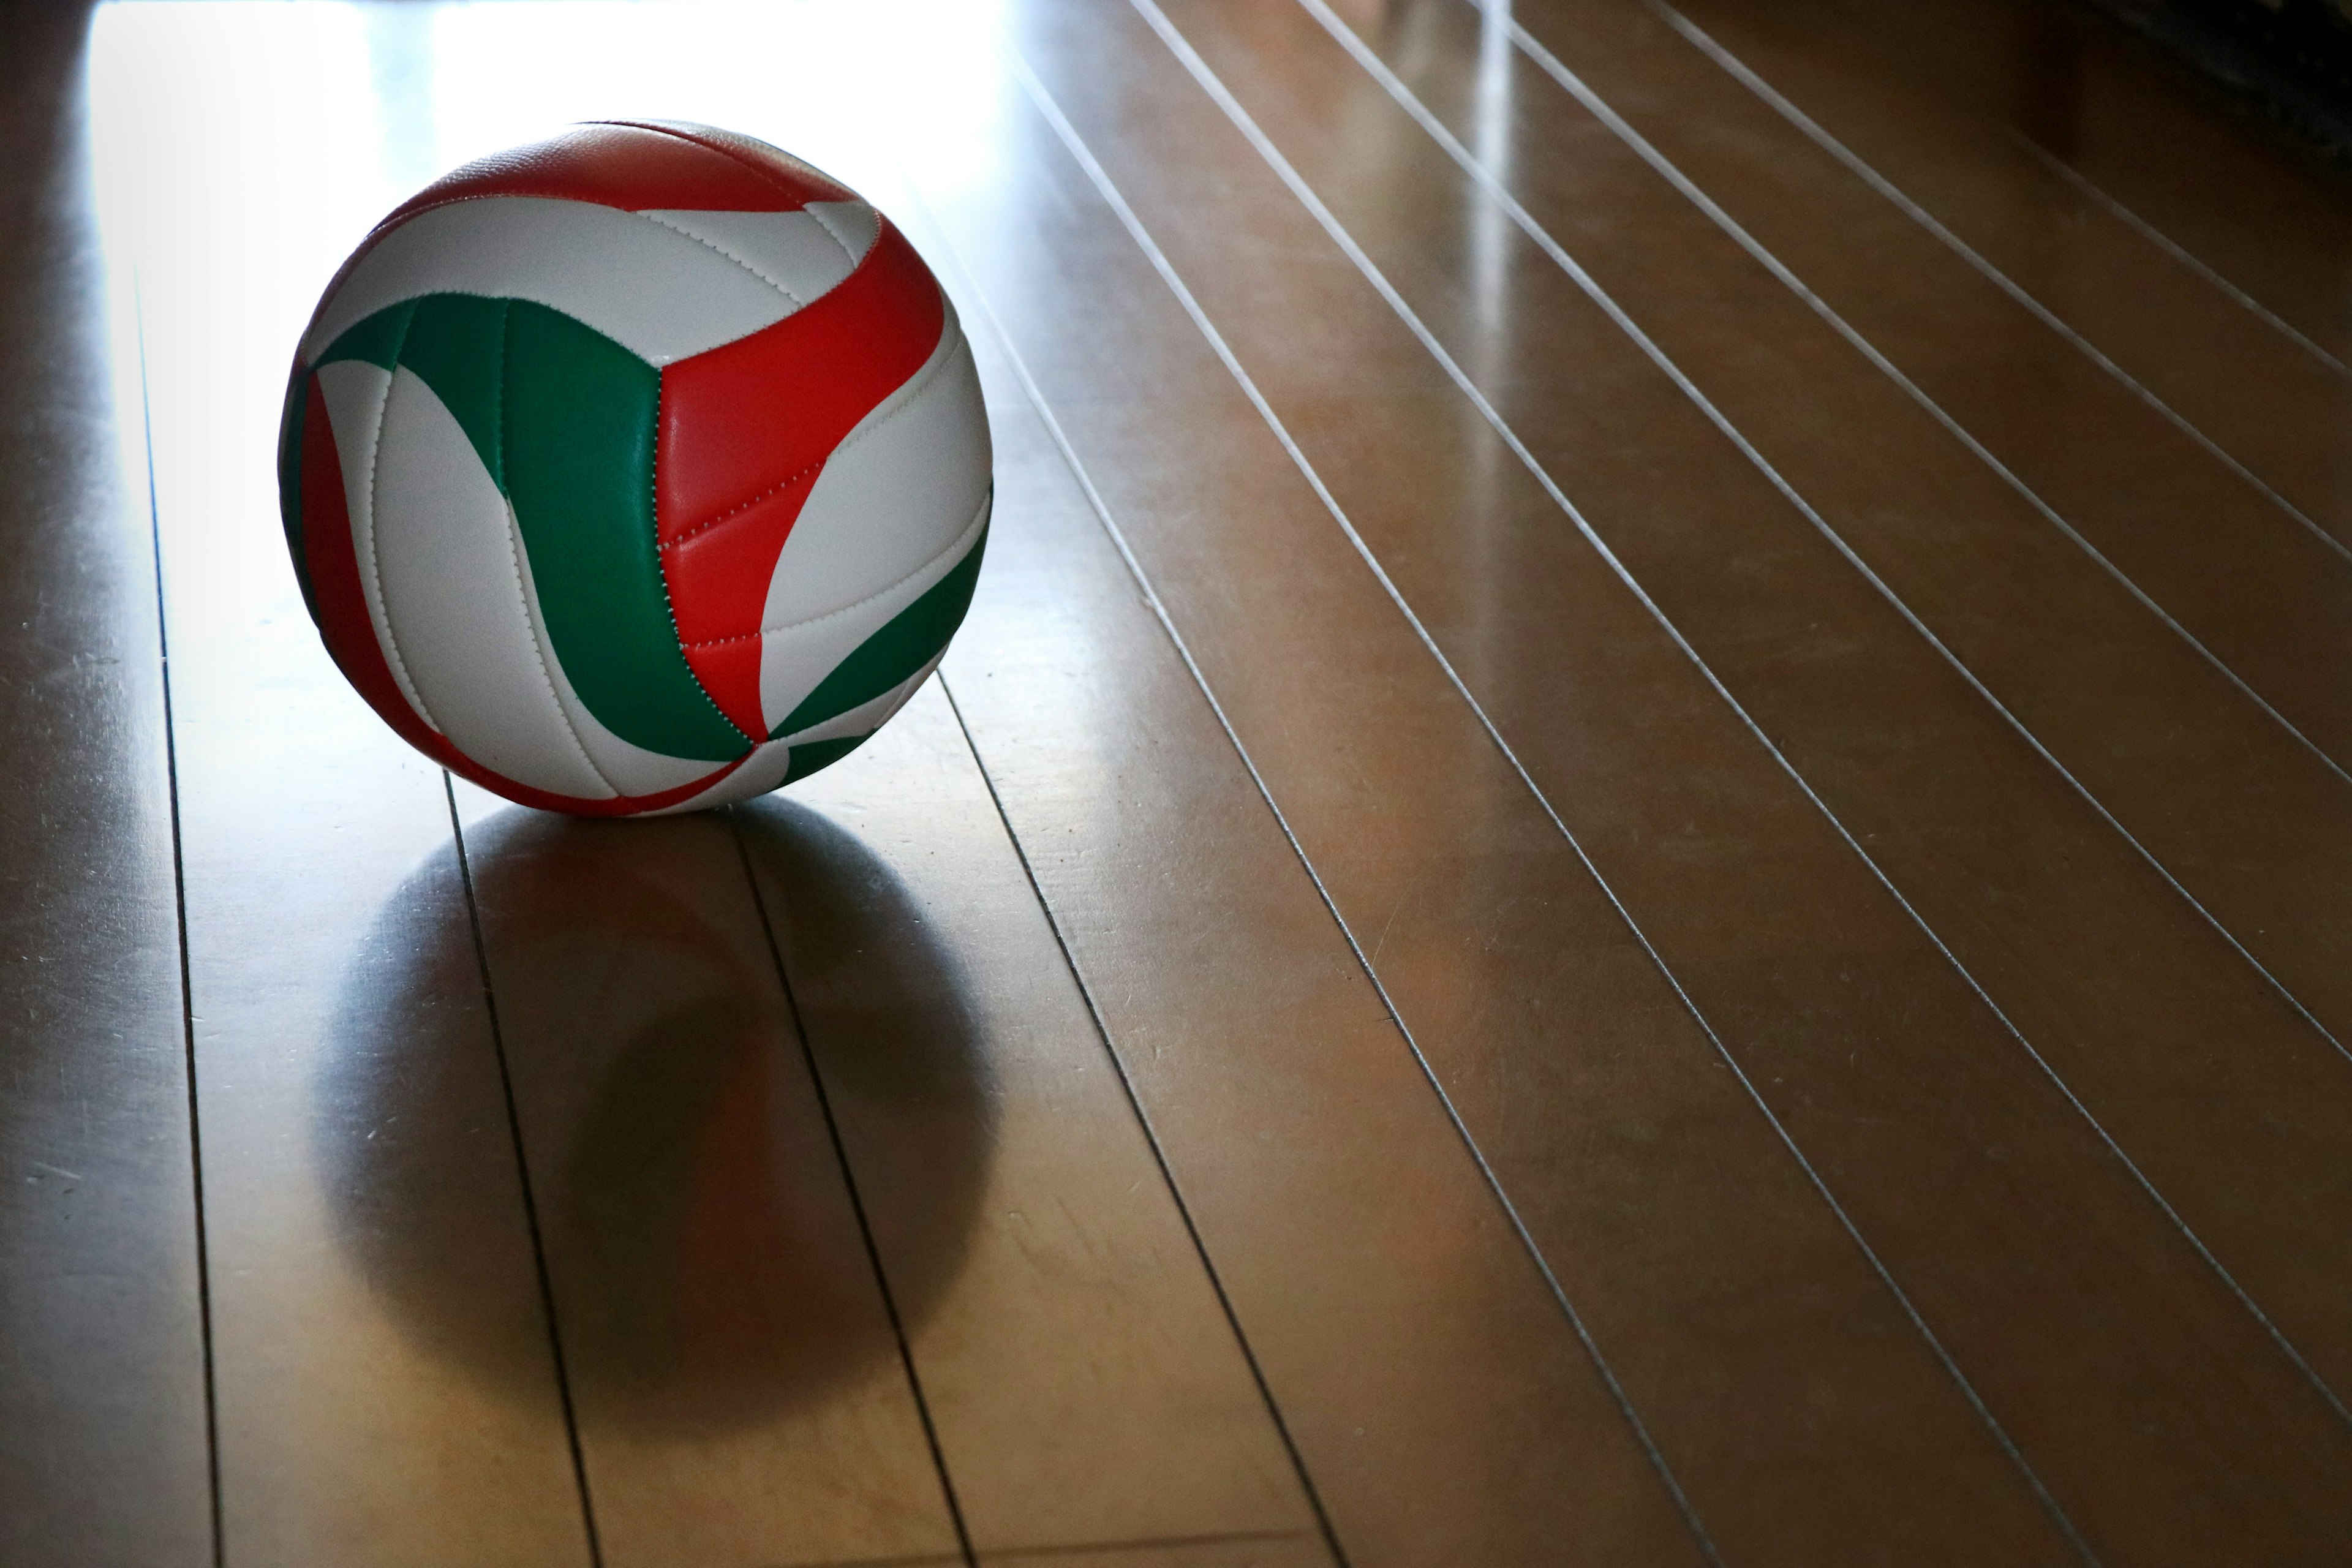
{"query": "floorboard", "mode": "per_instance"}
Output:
(1393, 792)
(2123, 979)
(2238, 199)
(2194, 538)
(1272, 1553)
(1080, 1372)
(1645, 424)
(361, 1195)
(1637, 853)
(739, 1393)
(1404, 1332)
(103, 1397)
(2218, 561)
(2273, 408)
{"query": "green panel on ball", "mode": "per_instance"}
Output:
(377, 340)
(563, 419)
(906, 642)
(456, 344)
(809, 756)
(579, 414)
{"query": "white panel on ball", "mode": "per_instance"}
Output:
(854, 224)
(354, 393)
(453, 592)
(596, 264)
(794, 659)
(763, 770)
(630, 769)
(790, 251)
(899, 486)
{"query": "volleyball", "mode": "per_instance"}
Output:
(637, 470)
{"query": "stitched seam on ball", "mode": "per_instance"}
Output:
(380, 611)
(732, 156)
(732, 512)
(765, 175)
(515, 552)
(884, 592)
(913, 387)
(670, 606)
(383, 231)
(905, 394)
(773, 283)
(855, 257)
(546, 676)
(898, 696)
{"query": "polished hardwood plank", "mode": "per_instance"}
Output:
(2243, 200)
(1905, 1009)
(1517, 977)
(833, 1182)
(2213, 546)
(2250, 826)
(739, 1391)
(102, 1420)
(1882, 90)
(1083, 1379)
(1527, 990)
(2097, 959)
(2182, 768)
(1441, 1406)
(385, 1384)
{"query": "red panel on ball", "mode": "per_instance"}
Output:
(633, 167)
(745, 418)
(729, 669)
(719, 588)
(745, 431)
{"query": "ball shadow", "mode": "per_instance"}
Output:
(708, 1270)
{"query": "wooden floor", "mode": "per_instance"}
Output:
(1641, 851)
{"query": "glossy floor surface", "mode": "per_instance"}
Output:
(1641, 851)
